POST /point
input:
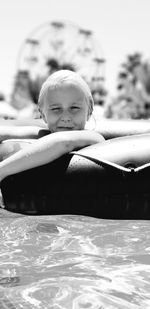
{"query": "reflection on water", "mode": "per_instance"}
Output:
(72, 262)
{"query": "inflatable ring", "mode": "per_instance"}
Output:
(109, 128)
(109, 180)
(9, 147)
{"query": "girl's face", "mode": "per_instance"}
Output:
(65, 108)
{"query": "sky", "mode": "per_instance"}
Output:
(121, 27)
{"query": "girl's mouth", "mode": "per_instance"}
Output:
(64, 128)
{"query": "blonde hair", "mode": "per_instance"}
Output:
(59, 77)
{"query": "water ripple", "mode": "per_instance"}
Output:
(72, 262)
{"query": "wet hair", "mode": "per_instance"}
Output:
(55, 80)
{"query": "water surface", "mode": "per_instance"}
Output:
(73, 262)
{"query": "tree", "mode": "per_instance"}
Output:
(133, 89)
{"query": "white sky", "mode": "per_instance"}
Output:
(121, 26)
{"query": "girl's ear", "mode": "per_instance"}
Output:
(89, 114)
(90, 110)
(44, 118)
(43, 115)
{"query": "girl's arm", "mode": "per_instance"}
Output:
(47, 149)
(12, 132)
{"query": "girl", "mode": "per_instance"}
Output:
(66, 104)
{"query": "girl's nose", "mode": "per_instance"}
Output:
(65, 116)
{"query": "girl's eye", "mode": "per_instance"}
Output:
(55, 109)
(75, 108)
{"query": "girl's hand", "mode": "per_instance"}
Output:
(80, 139)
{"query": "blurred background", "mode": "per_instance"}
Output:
(107, 42)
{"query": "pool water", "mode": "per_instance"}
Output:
(70, 262)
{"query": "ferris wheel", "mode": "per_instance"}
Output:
(52, 46)
(61, 43)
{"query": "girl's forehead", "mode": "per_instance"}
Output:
(66, 89)
(70, 84)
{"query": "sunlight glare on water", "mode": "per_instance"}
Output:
(73, 262)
